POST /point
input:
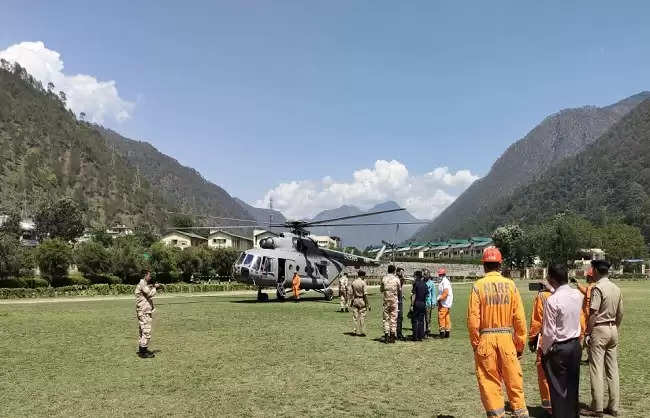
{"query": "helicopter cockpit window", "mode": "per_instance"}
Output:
(241, 258)
(256, 264)
(248, 259)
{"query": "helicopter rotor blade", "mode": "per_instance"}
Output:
(373, 224)
(181, 228)
(306, 224)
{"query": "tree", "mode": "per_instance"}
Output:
(92, 260)
(82, 116)
(163, 260)
(127, 259)
(145, 234)
(222, 261)
(53, 257)
(10, 261)
(514, 245)
(50, 87)
(181, 221)
(102, 237)
(59, 219)
(190, 262)
(560, 239)
(621, 241)
(11, 225)
(63, 97)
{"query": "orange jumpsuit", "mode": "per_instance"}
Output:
(497, 331)
(584, 315)
(444, 318)
(536, 331)
(295, 286)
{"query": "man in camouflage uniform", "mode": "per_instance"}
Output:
(400, 303)
(390, 285)
(144, 293)
(343, 292)
(359, 303)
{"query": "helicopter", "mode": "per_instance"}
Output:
(279, 257)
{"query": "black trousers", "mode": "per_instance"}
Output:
(562, 369)
(400, 316)
(418, 321)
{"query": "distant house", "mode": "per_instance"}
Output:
(326, 241)
(223, 239)
(183, 239)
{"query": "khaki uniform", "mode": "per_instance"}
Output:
(606, 306)
(390, 285)
(343, 292)
(144, 294)
(358, 291)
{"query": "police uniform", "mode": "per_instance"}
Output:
(534, 338)
(144, 294)
(343, 292)
(497, 330)
(606, 310)
(390, 285)
(358, 294)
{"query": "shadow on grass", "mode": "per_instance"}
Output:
(537, 412)
(287, 301)
(444, 416)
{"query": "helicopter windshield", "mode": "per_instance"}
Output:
(248, 259)
(256, 264)
(241, 258)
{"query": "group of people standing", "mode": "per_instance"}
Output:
(427, 295)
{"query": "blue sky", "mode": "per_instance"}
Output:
(254, 94)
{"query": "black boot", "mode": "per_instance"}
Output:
(446, 334)
(143, 352)
(393, 337)
(442, 334)
(386, 338)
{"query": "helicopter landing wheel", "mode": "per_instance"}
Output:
(262, 297)
(329, 294)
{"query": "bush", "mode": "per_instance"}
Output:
(127, 259)
(35, 282)
(71, 280)
(53, 257)
(14, 282)
(9, 255)
(92, 260)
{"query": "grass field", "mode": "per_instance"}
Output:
(220, 356)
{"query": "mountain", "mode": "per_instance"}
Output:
(180, 186)
(261, 215)
(45, 152)
(610, 180)
(363, 236)
(557, 137)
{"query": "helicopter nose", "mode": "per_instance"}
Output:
(244, 273)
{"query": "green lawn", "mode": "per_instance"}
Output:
(228, 356)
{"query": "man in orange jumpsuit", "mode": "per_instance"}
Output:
(586, 292)
(497, 330)
(534, 341)
(295, 286)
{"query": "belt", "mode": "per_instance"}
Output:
(570, 340)
(505, 330)
(605, 323)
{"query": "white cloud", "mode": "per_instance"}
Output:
(425, 196)
(100, 100)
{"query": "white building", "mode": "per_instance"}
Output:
(182, 239)
(224, 239)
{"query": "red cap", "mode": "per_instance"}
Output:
(442, 272)
(492, 255)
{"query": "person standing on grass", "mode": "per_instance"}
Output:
(601, 336)
(389, 287)
(430, 300)
(445, 300)
(534, 340)
(144, 293)
(359, 303)
(560, 343)
(400, 303)
(418, 306)
(343, 292)
(295, 286)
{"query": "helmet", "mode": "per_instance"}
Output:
(492, 255)
(442, 272)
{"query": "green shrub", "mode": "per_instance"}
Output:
(92, 260)
(35, 282)
(13, 282)
(127, 259)
(9, 255)
(71, 280)
(105, 279)
(53, 257)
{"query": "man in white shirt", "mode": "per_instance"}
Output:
(445, 300)
(560, 343)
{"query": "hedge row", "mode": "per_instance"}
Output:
(113, 290)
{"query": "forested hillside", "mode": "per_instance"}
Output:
(608, 181)
(46, 153)
(180, 186)
(559, 136)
